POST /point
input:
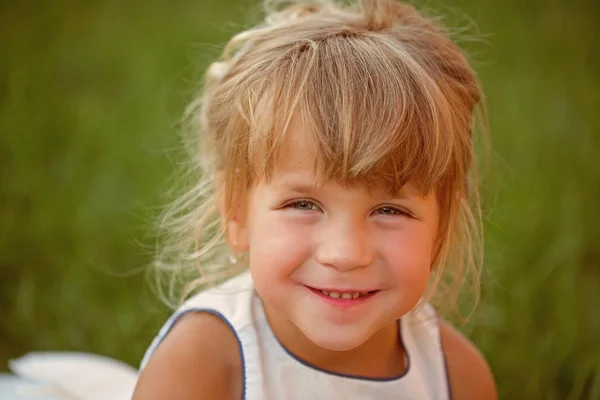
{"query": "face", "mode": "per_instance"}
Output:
(311, 247)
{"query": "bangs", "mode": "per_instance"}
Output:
(372, 113)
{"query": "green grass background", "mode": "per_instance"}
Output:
(90, 96)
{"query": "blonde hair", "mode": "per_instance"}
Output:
(388, 98)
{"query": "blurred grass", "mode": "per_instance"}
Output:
(90, 94)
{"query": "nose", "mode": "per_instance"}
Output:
(345, 246)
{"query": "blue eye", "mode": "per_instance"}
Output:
(391, 211)
(304, 205)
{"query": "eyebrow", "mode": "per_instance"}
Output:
(299, 187)
(305, 188)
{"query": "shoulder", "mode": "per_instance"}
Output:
(199, 358)
(469, 374)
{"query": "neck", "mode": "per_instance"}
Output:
(381, 356)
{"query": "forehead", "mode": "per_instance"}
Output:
(381, 123)
(297, 151)
(298, 166)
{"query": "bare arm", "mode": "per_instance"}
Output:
(469, 374)
(199, 359)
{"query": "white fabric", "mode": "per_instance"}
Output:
(67, 376)
(271, 373)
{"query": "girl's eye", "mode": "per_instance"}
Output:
(391, 211)
(304, 205)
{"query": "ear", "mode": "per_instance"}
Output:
(236, 234)
(233, 219)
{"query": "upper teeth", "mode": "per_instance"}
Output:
(347, 296)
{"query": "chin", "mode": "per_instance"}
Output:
(336, 340)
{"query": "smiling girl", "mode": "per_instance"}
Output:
(335, 155)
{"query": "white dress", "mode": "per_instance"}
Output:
(270, 372)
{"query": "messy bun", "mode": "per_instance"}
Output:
(383, 14)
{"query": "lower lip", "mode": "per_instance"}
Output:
(342, 302)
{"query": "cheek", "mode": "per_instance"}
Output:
(408, 254)
(277, 246)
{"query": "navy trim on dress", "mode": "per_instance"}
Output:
(226, 321)
(448, 384)
(350, 376)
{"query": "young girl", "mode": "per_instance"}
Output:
(335, 201)
(335, 154)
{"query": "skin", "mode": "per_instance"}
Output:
(300, 236)
(469, 374)
(174, 371)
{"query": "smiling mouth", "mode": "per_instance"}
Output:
(345, 295)
(342, 297)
